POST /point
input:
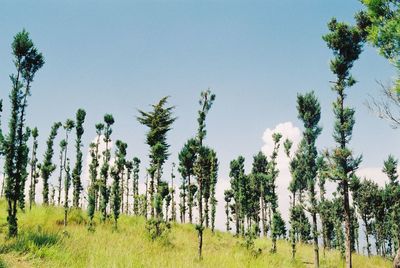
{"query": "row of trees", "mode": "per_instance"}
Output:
(251, 203)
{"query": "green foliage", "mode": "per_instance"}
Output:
(135, 181)
(48, 167)
(27, 61)
(132, 247)
(187, 157)
(34, 172)
(93, 173)
(117, 173)
(346, 43)
(158, 229)
(77, 171)
(159, 122)
(103, 188)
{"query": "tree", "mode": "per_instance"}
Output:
(228, 195)
(68, 126)
(172, 193)
(67, 185)
(271, 196)
(309, 111)
(259, 171)
(63, 145)
(237, 175)
(206, 102)
(93, 173)
(381, 23)
(187, 156)
(392, 197)
(213, 186)
(34, 174)
(159, 122)
(47, 168)
(77, 171)
(104, 191)
(136, 164)
(27, 61)
(129, 167)
(346, 42)
(117, 173)
(324, 205)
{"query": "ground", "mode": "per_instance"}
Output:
(44, 242)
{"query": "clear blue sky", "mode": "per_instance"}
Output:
(118, 56)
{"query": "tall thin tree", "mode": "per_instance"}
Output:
(33, 164)
(27, 61)
(48, 167)
(346, 43)
(77, 171)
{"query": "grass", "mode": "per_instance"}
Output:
(44, 242)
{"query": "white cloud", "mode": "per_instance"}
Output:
(373, 173)
(293, 133)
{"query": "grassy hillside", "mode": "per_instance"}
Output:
(43, 242)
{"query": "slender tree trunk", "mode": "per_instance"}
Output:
(127, 193)
(367, 236)
(146, 197)
(200, 229)
(293, 230)
(347, 224)
(60, 178)
(315, 236)
(206, 211)
(262, 212)
(227, 216)
(2, 186)
(237, 218)
(190, 201)
(32, 182)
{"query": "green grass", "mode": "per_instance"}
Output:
(43, 242)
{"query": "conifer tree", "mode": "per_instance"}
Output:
(67, 185)
(228, 195)
(172, 193)
(128, 167)
(68, 126)
(33, 164)
(213, 186)
(63, 145)
(271, 195)
(237, 175)
(77, 171)
(93, 174)
(392, 197)
(346, 43)
(310, 113)
(159, 122)
(259, 171)
(206, 102)
(103, 188)
(135, 189)
(363, 198)
(187, 156)
(27, 61)
(47, 168)
(324, 205)
(117, 173)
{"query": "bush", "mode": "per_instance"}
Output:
(158, 229)
(31, 241)
(249, 238)
(77, 216)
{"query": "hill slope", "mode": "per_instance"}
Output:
(43, 242)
